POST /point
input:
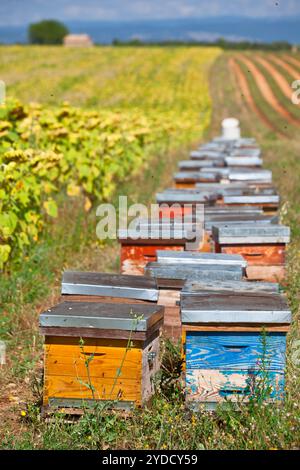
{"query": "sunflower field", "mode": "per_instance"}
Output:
(87, 120)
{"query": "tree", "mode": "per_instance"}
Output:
(47, 32)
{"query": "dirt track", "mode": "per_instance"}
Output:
(246, 94)
(267, 92)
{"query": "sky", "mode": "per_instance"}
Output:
(20, 12)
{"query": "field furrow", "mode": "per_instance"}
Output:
(280, 80)
(246, 94)
(266, 91)
(287, 67)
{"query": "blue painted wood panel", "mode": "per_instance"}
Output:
(235, 351)
(214, 386)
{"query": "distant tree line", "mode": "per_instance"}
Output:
(53, 32)
(223, 43)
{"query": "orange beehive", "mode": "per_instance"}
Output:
(263, 246)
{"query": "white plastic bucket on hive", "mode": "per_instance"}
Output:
(231, 129)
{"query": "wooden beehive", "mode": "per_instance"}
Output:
(268, 202)
(139, 246)
(259, 177)
(196, 287)
(238, 219)
(187, 205)
(207, 259)
(100, 352)
(196, 165)
(263, 246)
(207, 153)
(188, 179)
(186, 196)
(175, 274)
(225, 210)
(234, 218)
(244, 161)
(113, 288)
(173, 269)
(234, 345)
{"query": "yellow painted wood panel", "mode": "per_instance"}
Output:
(66, 373)
(86, 351)
(70, 387)
(104, 366)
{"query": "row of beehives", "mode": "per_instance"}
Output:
(218, 298)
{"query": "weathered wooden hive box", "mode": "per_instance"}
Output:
(225, 210)
(188, 179)
(139, 246)
(102, 287)
(208, 154)
(233, 215)
(174, 202)
(100, 351)
(234, 345)
(224, 190)
(174, 273)
(196, 287)
(196, 165)
(248, 161)
(258, 177)
(268, 202)
(263, 246)
(173, 269)
(238, 219)
(233, 189)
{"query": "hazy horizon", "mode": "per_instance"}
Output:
(209, 29)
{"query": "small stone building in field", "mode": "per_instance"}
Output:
(78, 40)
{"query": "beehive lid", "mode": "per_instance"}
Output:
(258, 175)
(235, 307)
(245, 152)
(214, 146)
(110, 316)
(219, 187)
(232, 142)
(192, 257)
(245, 141)
(183, 271)
(230, 189)
(109, 285)
(206, 153)
(236, 219)
(192, 287)
(252, 199)
(161, 234)
(251, 234)
(193, 177)
(218, 210)
(185, 197)
(243, 161)
(174, 223)
(220, 171)
(197, 164)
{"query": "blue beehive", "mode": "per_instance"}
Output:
(234, 345)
